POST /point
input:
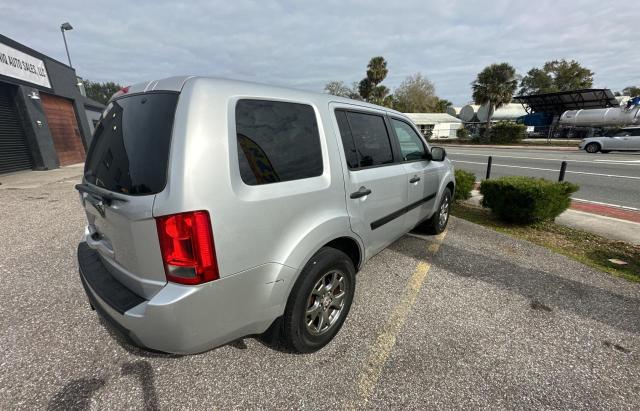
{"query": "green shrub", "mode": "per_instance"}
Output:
(464, 184)
(525, 200)
(463, 134)
(504, 132)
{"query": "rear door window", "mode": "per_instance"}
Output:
(369, 138)
(277, 141)
(130, 148)
(622, 133)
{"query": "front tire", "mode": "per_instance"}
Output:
(592, 148)
(438, 221)
(319, 302)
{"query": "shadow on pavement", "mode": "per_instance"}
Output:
(541, 288)
(143, 371)
(76, 395)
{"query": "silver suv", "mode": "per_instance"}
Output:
(219, 209)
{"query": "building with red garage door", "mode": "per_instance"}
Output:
(44, 122)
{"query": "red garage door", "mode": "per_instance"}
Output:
(64, 129)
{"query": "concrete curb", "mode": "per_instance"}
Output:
(606, 210)
(608, 227)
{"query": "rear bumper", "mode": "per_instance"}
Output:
(188, 319)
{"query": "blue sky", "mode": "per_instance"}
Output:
(304, 44)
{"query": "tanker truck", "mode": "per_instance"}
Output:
(628, 115)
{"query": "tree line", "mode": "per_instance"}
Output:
(495, 85)
(416, 94)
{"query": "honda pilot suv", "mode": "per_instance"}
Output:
(219, 209)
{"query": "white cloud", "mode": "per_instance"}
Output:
(306, 44)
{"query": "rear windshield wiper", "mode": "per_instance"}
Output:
(106, 197)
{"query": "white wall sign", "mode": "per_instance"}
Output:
(16, 64)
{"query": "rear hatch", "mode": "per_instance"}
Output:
(126, 167)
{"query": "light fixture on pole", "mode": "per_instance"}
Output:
(65, 27)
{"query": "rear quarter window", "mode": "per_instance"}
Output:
(277, 141)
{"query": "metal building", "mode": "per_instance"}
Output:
(44, 123)
(436, 125)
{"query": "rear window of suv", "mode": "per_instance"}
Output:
(277, 141)
(130, 148)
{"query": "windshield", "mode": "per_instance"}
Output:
(130, 147)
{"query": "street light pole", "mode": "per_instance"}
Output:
(64, 27)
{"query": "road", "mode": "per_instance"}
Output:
(473, 319)
(612, 178)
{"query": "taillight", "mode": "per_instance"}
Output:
(188, 252)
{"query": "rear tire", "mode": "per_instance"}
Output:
(319, 301)
(592, 148)
(438, 221)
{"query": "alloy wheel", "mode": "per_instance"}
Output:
(325, 303)
(444, 212)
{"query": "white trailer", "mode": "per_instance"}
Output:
(611, 117)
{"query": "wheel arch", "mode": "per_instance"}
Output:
(350, 247)
(451, 185)
(447, 181)
(597, 143)
(345, 242)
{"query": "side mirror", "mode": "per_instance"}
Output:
(438, 154)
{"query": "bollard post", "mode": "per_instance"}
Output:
(563, 169)
(489, 167)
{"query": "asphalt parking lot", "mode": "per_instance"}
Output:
(473, 319)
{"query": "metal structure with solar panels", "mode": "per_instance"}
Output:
(545, 111)
(559, 102)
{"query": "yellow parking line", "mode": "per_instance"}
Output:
(386, 340)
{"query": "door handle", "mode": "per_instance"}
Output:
(415, 179)
(362, 191)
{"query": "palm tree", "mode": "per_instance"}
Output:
(377, 70)
(370, 88)
(494, 86)
(442, 105)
